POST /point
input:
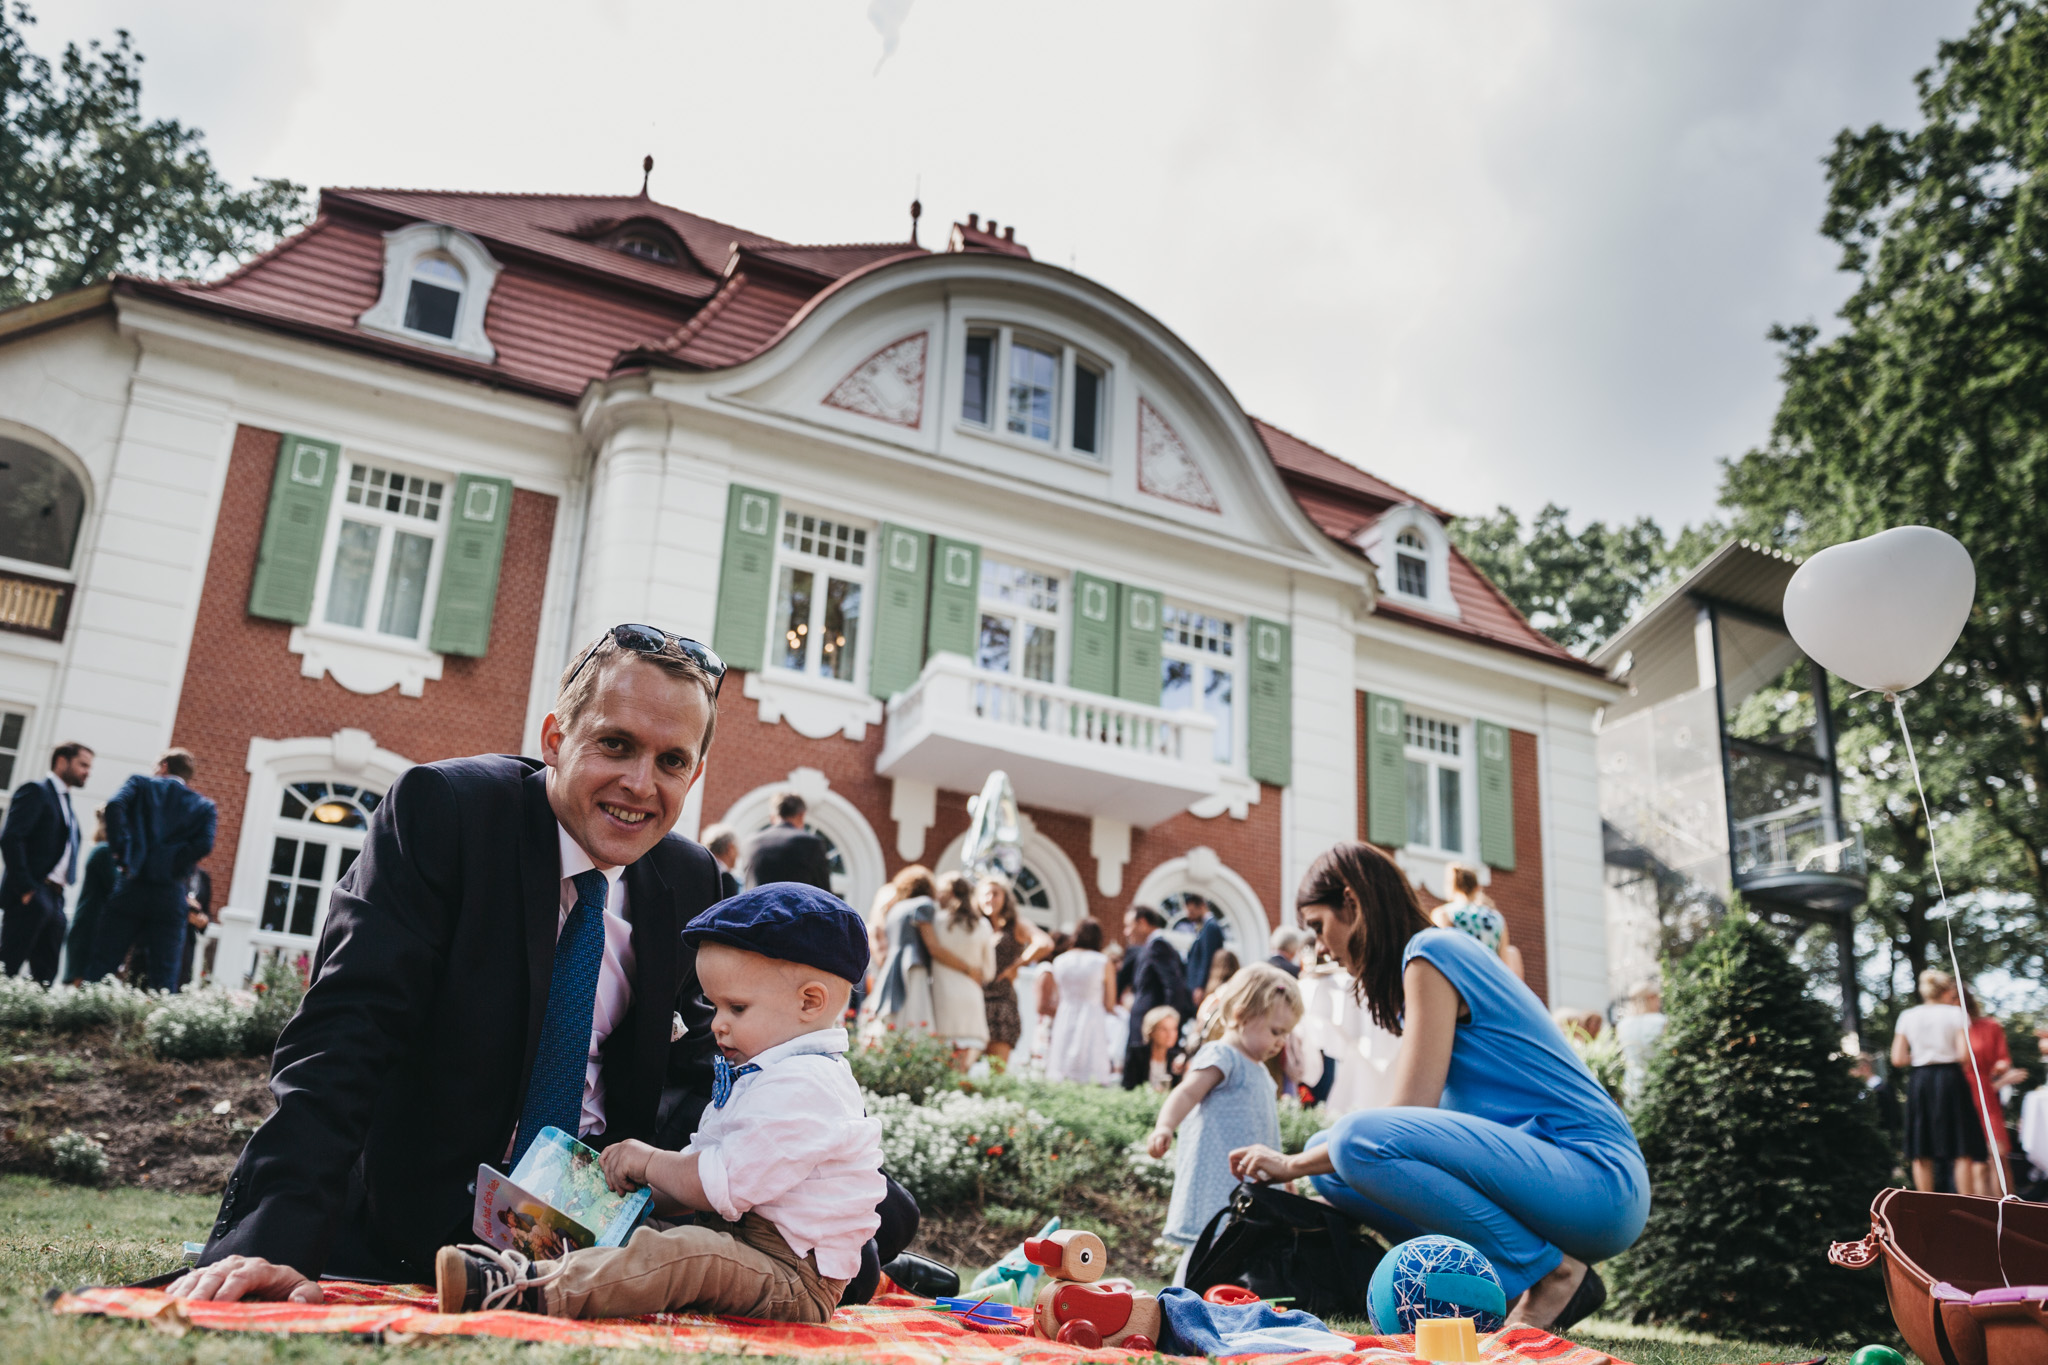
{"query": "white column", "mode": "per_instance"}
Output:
(1574, 892)
(1323, 805)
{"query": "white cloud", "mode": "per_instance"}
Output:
(1497, 251)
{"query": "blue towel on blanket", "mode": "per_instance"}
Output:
(1196, 1327)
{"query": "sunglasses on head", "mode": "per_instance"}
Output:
(652, 640)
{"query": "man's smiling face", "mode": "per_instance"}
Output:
(618, 776)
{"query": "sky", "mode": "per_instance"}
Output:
(1497, 251)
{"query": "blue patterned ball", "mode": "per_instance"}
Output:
(1435, 1277)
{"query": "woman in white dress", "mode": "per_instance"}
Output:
(963, 961)
(1080, 1030)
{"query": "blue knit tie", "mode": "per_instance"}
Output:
(723, 1074)
(554, 1092)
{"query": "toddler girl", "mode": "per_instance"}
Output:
(1227, 1098)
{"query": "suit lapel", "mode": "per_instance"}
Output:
(540, 898)
(651, 902)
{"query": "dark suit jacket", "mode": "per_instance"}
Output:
(411, 1052)
(33, 841)
(785, 853)
(159, 828)
(1160, 978)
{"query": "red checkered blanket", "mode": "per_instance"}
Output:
(895, 1330)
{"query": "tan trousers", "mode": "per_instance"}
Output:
(742, 1269)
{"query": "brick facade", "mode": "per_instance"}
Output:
(1518, 895)
(243, 682)
(748, 754)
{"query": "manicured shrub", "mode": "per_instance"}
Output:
(907, 1062)
(197, 1024)
(1759, 1156)
(23, 1003)
(78, 1159)
(278, 991)
(99, 1004)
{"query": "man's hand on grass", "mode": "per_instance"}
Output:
(233, 1278)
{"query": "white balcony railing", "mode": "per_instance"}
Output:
(1063, 748)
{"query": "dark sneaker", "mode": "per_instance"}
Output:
(478, 1279)
(1587, 1299)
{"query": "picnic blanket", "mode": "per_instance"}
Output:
(897, 1329)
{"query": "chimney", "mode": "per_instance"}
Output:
(1009, 233)
(974, 221)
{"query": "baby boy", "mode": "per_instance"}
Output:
(785, 1170)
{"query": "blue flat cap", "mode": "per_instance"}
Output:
(792, 923)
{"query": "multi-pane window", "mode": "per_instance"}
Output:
(1034, 391)
(1411, 565)
(12, 724)
(1020, 616)
(1437, 763)
(820, 584)
(433, 299)
(980, 369)
(318, 834)
(1089, 386)
(388, 529)
(1047, 392)
(1198, 670)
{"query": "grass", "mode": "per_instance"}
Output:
(58, 1236)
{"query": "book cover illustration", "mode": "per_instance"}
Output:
(555, 1201)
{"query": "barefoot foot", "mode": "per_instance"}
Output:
(1548, 1297)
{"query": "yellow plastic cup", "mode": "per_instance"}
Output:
(1451, 1340)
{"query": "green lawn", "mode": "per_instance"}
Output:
(58, 1236)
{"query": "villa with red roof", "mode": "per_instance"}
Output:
(943, 511)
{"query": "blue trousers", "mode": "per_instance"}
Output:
(148, 915)
(1519, 1198)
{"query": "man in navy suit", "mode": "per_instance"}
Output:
(158, 829)
(1158, 977)
(510, 926)
(41, 846)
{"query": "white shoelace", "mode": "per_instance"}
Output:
(516, 1267)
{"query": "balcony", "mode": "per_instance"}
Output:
(1787, 856)
(1064, 749)
(34, 606)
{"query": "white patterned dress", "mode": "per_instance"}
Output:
(1240, 1111)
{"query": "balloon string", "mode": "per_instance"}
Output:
(1948, 921)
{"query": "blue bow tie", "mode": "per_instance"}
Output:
(723, 1074)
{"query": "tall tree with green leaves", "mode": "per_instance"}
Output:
(1579, 587)
(1930, 405)
(89, 187)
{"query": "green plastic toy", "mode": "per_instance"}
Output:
(1877, 1355)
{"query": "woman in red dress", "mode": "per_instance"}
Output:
(1993, 1069)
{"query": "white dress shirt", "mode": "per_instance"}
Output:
(614, 975)
(66, 871)
(795, 1145)
(2034, 1130)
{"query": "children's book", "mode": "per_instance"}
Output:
(555, 1201)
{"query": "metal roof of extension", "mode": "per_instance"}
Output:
(1741, 573)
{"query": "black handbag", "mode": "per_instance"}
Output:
(1281, 1246)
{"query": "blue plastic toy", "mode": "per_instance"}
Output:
(1435, 1277)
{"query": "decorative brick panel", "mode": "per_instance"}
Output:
(242, 681)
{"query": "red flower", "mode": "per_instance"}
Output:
(996, 1150)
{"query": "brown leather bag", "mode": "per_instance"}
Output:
(1962, 1291)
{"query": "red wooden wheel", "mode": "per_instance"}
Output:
(1082, 1334)
(1137, 1341)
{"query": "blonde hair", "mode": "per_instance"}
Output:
(1255, 991)
(1935, 982)
(1158, 1015)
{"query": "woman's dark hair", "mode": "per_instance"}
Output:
(956, 888)
(1381, 914)
(1150, 915)
(1089, 936)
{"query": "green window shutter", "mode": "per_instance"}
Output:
(1137, 647)
(288, 562)
(1269, 714)
(469, 566)
(956, 598)
(1091, 666)
(1496, 797)
(746, 578)
(1386, 772)
(903, 581)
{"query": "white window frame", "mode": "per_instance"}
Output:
(1464, 762)
(403, 249)
(340, 509)
(1070, 357)
(1381, 543)
(1231, 663)
(1023, 615)
(24, 745)
(823, 567)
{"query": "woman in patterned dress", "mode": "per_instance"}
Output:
(1019, 943)
(1472, 911)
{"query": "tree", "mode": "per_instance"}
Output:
(1931, 406)
(1761, 1152)
(88, 187)
(1581, 588)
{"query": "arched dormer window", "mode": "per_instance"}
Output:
(42, 505)
(1410, 549)
(437, 286)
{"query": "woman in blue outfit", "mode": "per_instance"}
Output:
(1496, 1133)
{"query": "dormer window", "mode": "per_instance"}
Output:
(437, 287)
(1035, 389)
(1411, 564)
(648, 248)
(434, 300)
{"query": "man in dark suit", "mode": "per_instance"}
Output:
(40, 844)
(724, 845)
(199, 917)
(1208, 942)
(159, 829)
(471, 985)
(787, 852)
(1158, 977)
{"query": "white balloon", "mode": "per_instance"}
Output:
(1884, 611)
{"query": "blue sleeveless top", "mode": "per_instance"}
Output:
(1509, 1062)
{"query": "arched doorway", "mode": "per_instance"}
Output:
(1228, 894)
(855, 852)
(1049, 889)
